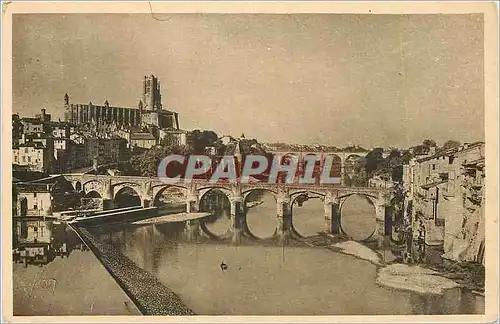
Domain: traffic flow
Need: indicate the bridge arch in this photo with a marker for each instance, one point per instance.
(248, 191)
(362, 226)
(372, 198)
(337, 164)
(260, 208)
(177, 194)
(216, 200)
(93, 185)
(127, 196)
(205, 190)
(307, 212)
(93, 194)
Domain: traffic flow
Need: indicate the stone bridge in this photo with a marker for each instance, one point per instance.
(333, 197)
(345, 160)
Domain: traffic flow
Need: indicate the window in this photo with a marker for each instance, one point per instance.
(35, 229)
(433, 167)
(35, 206)
(34, 195)
(450, 159)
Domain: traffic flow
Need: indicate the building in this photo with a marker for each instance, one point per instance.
(43, 117)
(161, 119)
(105, 150)
(34, 200)
(149, 110)
(32, 126)
(77, 155)
(34, 155)
(144, 140)
(173, 137)
(68, 155)
(444, 201)
(17, 129)
(62, 129)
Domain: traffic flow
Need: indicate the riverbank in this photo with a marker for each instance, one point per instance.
(424, 279)
(149, 294)
(469, 275)
(414, 278)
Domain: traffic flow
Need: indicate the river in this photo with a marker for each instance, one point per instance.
(261, 279)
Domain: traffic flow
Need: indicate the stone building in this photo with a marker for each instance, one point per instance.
(105, 150)
(34, 200)
(17, 129)
(43, 116)
(32, 126)
(144, 140)
(35, 155)
(173, 137)
(439, 190)
(149, 110)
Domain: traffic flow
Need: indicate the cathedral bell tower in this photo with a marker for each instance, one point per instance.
(68, 111)
(151, 95)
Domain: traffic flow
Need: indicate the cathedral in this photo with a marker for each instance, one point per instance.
(149, 111)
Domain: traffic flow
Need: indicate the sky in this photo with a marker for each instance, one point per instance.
(370, 80)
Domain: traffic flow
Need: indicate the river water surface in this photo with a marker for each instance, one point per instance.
(264, 279)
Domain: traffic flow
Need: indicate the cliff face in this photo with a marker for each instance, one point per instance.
(465, 232)
(462, 233)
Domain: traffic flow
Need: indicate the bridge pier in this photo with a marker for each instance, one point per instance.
(382, 212)
(145, 203)
(146, 195)
(192, 229)
(107, 200)
(332, 215)
(284, 218)
(192, 204)
(237, 219)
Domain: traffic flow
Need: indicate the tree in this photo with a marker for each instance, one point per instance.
(373, 159)
(420, 149)
(146, 164)
(429, 143)
(199, 140)
(449, 144)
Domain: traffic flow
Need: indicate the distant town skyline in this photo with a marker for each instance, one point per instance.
(371, 80)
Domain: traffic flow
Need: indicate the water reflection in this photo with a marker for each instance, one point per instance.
(37, 241)
(358, 217)
(217, 203)
(308, 216)
(260, 208)
(259, 280)
(267, 280)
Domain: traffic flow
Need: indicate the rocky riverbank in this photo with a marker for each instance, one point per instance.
(425, 279)
(149, 294)
(414, 278)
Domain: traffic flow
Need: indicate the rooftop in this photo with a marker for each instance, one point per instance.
(451, 151)
(37, 145)
(142, 136)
